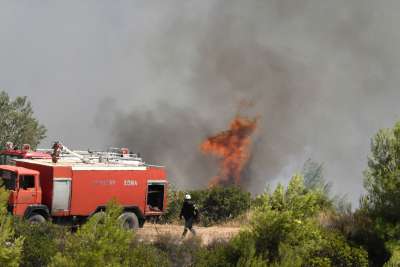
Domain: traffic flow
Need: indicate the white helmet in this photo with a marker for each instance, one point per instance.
(187, 196)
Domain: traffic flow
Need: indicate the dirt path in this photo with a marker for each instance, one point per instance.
(207, 234)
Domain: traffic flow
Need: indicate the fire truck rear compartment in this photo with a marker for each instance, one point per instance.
(155, 197)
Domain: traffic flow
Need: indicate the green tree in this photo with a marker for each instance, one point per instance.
(10, 246)
(313, 174)
(382, 182)
(17, 123)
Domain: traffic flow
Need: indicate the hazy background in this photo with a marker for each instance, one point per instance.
(159, 76)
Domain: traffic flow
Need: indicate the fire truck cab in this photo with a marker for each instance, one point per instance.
(24, 187)
(71, 190)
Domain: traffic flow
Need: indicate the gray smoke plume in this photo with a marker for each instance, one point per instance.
(317, 74)
(160, 76)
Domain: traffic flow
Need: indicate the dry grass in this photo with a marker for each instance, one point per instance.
(151, 232)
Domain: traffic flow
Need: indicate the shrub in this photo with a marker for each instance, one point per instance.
(216, 205)
(103, 242)
(286, 231)
(359, 229)
(41, 242)
(175, 200)
(10, 245)
(180, 253)
(219, 204)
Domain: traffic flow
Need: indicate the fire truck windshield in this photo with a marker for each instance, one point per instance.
(8, 159)
(8, 179)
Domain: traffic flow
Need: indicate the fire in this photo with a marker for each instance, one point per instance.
(232, 147)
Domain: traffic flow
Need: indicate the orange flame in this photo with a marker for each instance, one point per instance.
(232, 147)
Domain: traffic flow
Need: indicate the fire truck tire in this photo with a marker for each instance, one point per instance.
(129, 221)
(36, 218)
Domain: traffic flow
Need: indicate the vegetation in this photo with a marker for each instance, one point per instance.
(41, 242)
(297, 225)
(103, 242)
(216, 205)
(17, 123)
(10, 245)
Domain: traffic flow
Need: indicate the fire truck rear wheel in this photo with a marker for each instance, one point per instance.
(36, 219)
(129, 221)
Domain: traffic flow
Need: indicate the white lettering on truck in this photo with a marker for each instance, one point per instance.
(130, 183)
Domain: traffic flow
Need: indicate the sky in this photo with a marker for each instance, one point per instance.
(161, 76)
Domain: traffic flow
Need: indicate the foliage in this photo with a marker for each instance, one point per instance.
(175, 200)
(180, 252)
(10, 246)
(394, 247)
(382, 182)
(314, 177)
(41, 242)
(286, 230)
(358, 228)
(219, 204)
(240, 251)
(103, 242)
(141, 254)
(17, 123)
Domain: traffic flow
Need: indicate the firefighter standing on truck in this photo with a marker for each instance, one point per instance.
(190, 213)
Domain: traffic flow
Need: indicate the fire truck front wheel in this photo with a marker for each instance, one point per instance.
(129, 221)
(36, 218)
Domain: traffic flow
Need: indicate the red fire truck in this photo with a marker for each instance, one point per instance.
(10, 153)
(72, 189)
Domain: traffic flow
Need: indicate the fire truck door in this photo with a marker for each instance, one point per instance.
(27, 193)
(61, 194)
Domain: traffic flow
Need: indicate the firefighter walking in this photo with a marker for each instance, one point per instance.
(189, 212)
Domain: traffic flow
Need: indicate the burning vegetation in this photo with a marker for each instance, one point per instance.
(232, 147)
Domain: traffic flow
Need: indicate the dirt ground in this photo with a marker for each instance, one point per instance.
(207, 234)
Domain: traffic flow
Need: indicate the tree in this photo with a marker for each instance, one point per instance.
(314, 177)
(17, 123)
(382, 182)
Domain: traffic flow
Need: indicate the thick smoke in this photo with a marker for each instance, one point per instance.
(159, 77)
(316, 73)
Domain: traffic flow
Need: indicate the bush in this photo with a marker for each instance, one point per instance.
(394, 261)
(175, 200)
(103, 242)
(286, 231)
(219, 204)
(216, 205)
(41, 242)
(240, 251)
(359, 229)
(10, 245)
(141, 254)
(180, 253)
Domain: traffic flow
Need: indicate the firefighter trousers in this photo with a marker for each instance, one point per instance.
(189, 226)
